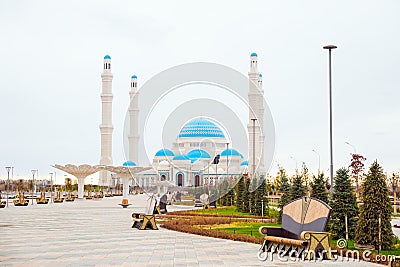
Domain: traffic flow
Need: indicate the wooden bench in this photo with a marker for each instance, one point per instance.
(147, 220)
(302, 233)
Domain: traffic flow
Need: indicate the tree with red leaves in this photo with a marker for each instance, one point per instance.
(357, 168)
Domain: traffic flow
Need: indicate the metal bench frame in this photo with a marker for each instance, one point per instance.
(304, 221)
(147, 220)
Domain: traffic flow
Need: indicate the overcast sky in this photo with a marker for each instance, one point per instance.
(52, 53)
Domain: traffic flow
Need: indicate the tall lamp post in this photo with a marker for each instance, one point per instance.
(330, 48)
(227, 165)
(319, 160)
(8, 182)
(51, 187)
(33, 182)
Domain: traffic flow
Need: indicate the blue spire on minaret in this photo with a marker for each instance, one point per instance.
(107, 57)
(253, 54)
(134, 77)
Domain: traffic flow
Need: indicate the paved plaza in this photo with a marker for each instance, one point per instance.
(99, 233)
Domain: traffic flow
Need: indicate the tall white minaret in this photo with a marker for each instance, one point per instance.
(106, 127)
(134, 121)
(256, 111)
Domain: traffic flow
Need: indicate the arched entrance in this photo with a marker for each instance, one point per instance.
(180, 179)
(197, 180)
(163, 178)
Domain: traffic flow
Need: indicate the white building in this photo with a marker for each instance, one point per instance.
(189, 161)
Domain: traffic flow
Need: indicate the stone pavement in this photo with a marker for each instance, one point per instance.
(99, 233)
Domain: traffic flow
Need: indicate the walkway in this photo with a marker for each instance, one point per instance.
(99, 233)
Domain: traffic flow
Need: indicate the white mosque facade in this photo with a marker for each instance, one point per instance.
(190, 161)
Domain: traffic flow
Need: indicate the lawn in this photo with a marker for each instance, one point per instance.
(231, 210)
(243, 228)
(223, 211)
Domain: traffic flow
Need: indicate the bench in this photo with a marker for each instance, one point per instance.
(302, 233)
(147, 220)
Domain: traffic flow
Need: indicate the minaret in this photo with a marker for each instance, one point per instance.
(256, 111)
(133, 121)
(106, 127)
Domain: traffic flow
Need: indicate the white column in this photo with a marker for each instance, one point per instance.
(256, 110)
(81, 187)
(106, 127)
(125, 183)
(133, 121)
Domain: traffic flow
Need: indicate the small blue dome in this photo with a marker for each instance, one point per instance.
(129, 163)
(134, 77)
(244, 163)
(253, 54)
(181, 157)
(201, 128)
(107, 57)
(164, 153)
(231, 153)
(260, 75)
(198, 154)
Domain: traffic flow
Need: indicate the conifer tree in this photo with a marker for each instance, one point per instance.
(343, 203)
(318, 188)
(284, 189)
(246, 203)
(260, 201)
(297, 189)
(240, 191)
(376, 203)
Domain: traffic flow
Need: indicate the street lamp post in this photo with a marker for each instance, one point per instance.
(51, 187)
(354, 148)
(33, 182)
(227, 165)
(8, 182)
(330, 47)
(319, 160)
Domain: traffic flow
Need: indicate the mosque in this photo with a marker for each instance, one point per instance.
(190, 162)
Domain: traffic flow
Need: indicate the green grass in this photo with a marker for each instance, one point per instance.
(250, 228)
(231, 210)
(223, 211)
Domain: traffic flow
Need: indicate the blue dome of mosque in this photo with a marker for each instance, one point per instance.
(244, 163)
(231, 152)
(107, 57)
(129, 163)
(253, 54)
(198, 154)
(134, 77)
(164, 153)
(181, 157)
(201, 128)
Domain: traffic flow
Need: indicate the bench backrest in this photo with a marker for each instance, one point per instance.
(151, 204)
(305, 214)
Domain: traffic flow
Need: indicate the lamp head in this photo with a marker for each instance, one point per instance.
(330, 47)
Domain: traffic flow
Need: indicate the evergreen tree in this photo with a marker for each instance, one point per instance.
(223, 193)
(260, 201)
(318, 188)
(284, 189)
(297, 189)
(240, 191)
(376, 202)
(343, 203)
(246, 203)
